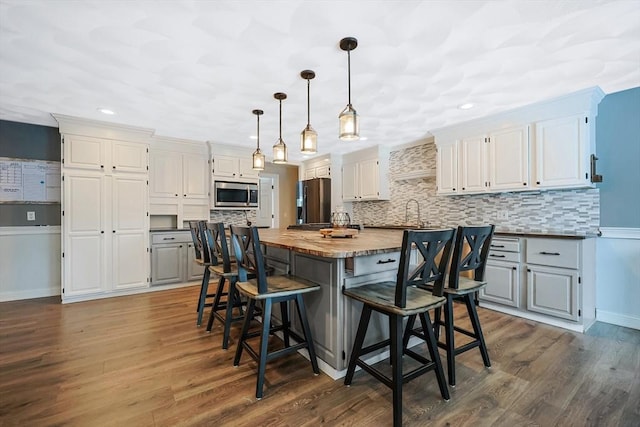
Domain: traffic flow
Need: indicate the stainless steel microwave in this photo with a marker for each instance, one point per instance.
(227, 194)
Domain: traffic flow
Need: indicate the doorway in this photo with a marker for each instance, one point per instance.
(269, 204)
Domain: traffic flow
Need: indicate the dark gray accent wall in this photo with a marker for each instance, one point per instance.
(618, 148)
(29, 141)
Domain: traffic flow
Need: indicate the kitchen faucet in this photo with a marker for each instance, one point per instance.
(406, 213)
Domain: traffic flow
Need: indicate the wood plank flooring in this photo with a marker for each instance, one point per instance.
(141, 361)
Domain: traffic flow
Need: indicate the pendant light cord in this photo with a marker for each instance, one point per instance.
(308, 104)
(258, 144)
(349, 72)
(280, 121)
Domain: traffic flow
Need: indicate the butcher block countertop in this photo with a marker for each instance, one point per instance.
(366, 242)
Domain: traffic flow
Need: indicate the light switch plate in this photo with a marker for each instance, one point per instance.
(31, 216)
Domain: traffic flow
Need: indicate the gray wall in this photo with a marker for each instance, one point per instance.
(27, 141)
(618, 147)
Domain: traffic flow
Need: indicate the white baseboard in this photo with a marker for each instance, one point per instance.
(618, 319)
(29, 294)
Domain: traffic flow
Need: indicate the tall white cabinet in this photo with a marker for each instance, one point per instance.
(105, 214)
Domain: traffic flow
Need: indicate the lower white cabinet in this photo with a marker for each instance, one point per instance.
(503, 283)
(173, 258)
(553, 291)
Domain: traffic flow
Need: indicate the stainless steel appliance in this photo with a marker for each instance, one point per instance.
(227, 194)
(313, 201)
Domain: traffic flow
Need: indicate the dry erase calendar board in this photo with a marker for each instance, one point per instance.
(25, 180)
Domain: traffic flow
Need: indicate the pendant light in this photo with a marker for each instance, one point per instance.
(280, 148)
(308, 137)
(349, 123)
(258, 156)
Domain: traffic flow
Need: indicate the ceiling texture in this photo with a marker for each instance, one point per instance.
(196, 69)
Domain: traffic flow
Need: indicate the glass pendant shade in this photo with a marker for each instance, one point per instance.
(257, 162)
(280, 148)
(349, 124)
(308, 141)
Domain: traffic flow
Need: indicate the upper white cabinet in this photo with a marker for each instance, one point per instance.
(316, 168)
(179, 178)
(562, 149)
(541, 146)
(509, 159)
(233, 167)
(90, 153)
(365, 175)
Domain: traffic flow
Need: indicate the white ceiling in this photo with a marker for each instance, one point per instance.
(196, 69)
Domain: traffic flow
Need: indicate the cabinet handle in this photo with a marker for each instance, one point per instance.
(180, 246)
(454, 189)
(497, 246)
(113, 231)
(549, 253)
(184, 195)
(528, 270)
(101, 231)
(497, 256)
(176, 195)
(168, 238)
(462, 188)
(513, 268)
(524, 183)
(538, 182)
(113, 167)
(101, 166)
(386, 262)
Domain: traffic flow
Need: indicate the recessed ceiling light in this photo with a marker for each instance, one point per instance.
(465, 106)
(253, 137)
(363, 138)
(106, 111)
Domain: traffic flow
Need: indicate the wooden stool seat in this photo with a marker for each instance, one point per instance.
(381, 296)
(466, 286)
(279, 286)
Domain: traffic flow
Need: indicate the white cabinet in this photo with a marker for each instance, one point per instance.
(322, 171)
(179, 179)
(447, 168)
(173, 258)
(90, 153)
(502, 272)
(365, 175)
(509, 159)
(562, 149)
(234, 168)
(473, 165)
(553, 291)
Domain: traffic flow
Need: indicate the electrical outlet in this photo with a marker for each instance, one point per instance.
(31, 216)
(503, 215)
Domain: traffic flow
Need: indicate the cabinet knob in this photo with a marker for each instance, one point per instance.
(113, 167)
(101, 231)
(113, 231)
(101, 166)
(176, 194)
(538, 182)
(524, 183)
(184, 195)
(454, 189)
(462, 188)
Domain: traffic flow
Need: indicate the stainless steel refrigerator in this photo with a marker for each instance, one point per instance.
(313, 201)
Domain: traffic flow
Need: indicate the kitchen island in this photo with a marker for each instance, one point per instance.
(334, 263)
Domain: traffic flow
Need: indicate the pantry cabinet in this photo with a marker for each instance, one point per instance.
(105, 214)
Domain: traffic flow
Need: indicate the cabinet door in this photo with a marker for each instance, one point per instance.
(447, 168)
(168, 263)
(310, 173)
(83, 234)
(552, 291)
(225, 166)
(323, 171)
(165, 174)
(369, 178)
(473, 164)
(509, 159)
(129, 232)
(561, 151)
(195, 174)
(128, 157)
(194, 270)
(245, 166)
(503, 283)
(350, 182)
(84, 152)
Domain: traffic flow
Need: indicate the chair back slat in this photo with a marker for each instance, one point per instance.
(434, 247)
(477, 240)
(217, 242)
(196, 236)
(249, 257)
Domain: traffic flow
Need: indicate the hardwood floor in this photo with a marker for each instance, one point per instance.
(141, 361)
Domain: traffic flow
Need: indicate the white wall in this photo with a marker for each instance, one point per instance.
(30, 262)
(618, 277)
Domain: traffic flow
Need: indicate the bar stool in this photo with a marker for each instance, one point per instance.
(469, 255)
(277, 289)
(202, 258)
(224, 267)
(400, 299)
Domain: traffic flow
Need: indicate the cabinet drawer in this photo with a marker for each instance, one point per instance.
(505, 244)
(173, 237)
(504, 256)
(375, 263)
(553, 252)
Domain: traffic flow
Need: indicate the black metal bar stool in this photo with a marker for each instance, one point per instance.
(277, 289)
(400, 299)
(469, 255)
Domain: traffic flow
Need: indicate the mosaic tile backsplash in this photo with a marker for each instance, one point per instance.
(233, 217)
(567, 211)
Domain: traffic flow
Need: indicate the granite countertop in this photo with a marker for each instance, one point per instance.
(366, 242)
(500, 232)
